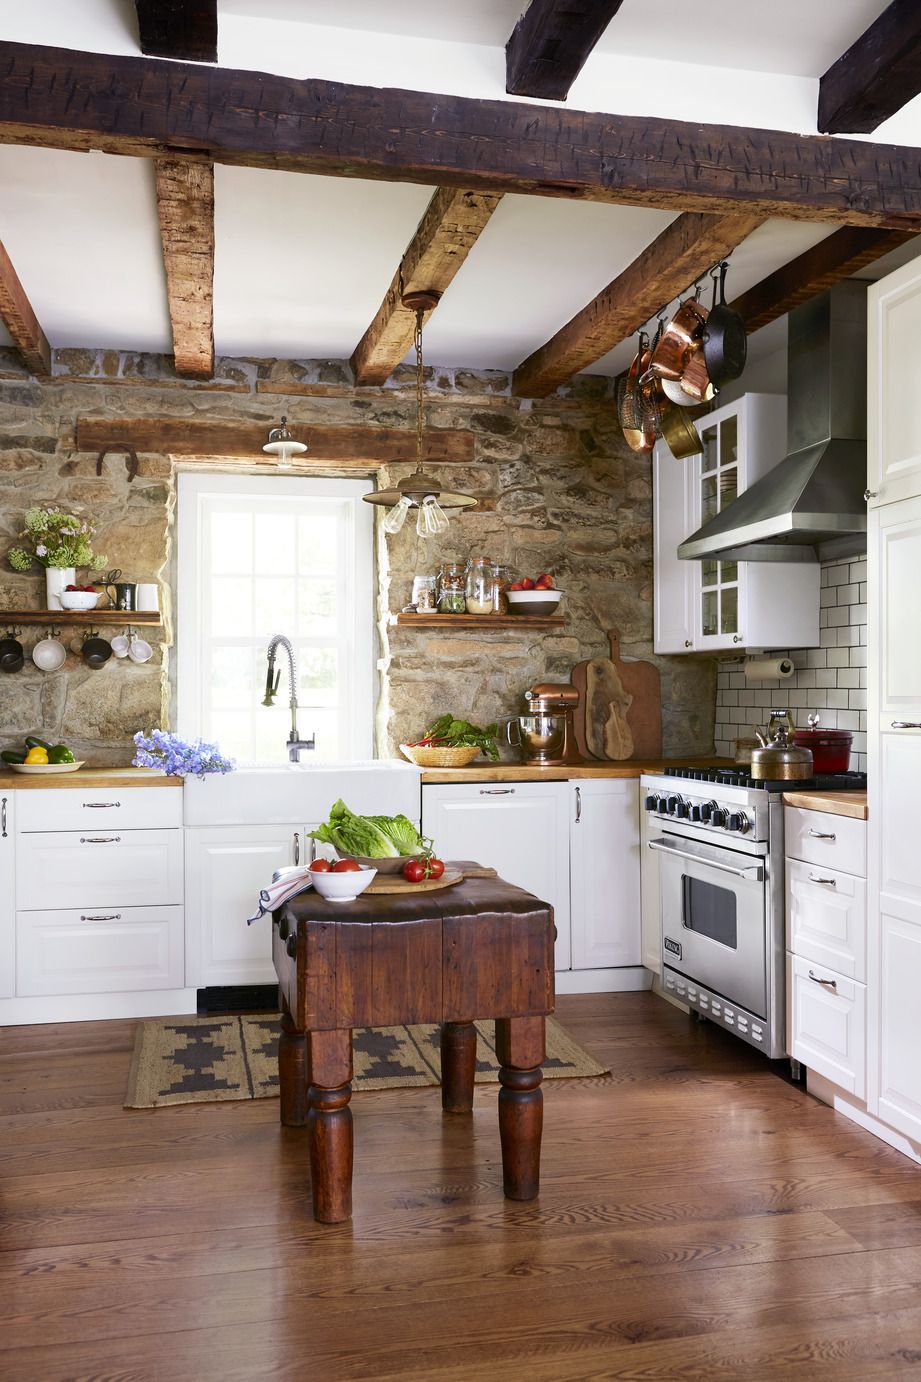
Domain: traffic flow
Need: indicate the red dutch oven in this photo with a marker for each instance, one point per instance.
(831, 748)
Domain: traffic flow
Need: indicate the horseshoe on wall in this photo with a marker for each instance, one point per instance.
(131, 458)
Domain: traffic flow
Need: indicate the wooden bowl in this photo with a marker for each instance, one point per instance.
(438, 758)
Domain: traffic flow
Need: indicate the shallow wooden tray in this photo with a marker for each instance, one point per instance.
(388, 884)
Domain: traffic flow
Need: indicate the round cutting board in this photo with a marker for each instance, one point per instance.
(388, 884)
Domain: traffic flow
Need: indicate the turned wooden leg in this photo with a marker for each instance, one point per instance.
(293, 1077)
(520, 1048)
(330, 1125)
(458, 1066)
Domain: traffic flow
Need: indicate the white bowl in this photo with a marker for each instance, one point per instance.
(343, 887)
(533, 601)
(139, 650)
(79, 599)
(48, 655)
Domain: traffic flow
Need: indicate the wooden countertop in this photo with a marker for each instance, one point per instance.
(526, 772)
(853, 804)
(88, 777)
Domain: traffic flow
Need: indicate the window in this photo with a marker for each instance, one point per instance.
(260, 555)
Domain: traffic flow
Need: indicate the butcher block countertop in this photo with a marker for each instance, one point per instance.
(526, 772)
(88, 777)
(853, 804)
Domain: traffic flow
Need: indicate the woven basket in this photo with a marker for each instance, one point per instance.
(438, 758)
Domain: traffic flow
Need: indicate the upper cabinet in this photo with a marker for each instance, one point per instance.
(893, 415)
(715, 606)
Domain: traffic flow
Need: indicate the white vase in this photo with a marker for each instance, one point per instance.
(56, 579)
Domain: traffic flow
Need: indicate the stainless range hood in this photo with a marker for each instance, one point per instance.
(809, 507)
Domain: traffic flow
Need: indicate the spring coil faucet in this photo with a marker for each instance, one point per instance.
(272, 678)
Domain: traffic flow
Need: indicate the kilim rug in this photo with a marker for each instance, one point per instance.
(204, 1059)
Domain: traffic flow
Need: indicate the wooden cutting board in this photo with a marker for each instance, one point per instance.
(622, 706)
(392, 884)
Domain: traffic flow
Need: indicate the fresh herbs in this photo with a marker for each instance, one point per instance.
(371, 837)
(448, 733)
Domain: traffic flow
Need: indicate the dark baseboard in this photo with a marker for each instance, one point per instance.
(235, 998)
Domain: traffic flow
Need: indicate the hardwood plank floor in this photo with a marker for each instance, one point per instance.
(699, 1217)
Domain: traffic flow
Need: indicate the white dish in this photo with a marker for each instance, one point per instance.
(48, 654)
(78, 599)
(46, 767)
(343, 887)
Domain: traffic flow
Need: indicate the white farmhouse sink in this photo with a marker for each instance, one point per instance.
(303, 792)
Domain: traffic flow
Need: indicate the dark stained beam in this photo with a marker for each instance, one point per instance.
(20, 320)
(185, 205)
(839, 256)
(877, 75)
(141, 106)
(183, 29)
(445, 236)
(550, 43)
(684, 251)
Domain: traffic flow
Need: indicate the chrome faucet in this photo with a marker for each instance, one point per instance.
(295, 742)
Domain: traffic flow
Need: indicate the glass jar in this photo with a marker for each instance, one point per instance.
(501, 580)
(450, 588)
(479, 585)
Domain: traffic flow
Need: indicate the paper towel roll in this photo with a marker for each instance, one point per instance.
(768, 668)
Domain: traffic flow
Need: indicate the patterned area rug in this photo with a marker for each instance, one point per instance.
(204, 1059)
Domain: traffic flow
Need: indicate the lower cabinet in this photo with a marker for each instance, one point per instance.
(225, 867)
(7, 895)
(827, 1023)
(604, 878)
(99, 951)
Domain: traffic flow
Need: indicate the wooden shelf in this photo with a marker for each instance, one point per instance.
(481, 622)
(88, 618)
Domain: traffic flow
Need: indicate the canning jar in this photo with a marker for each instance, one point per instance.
(450, 588)
(501, 580)
(479, 585)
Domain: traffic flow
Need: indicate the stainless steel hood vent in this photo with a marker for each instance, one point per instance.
(809, 507)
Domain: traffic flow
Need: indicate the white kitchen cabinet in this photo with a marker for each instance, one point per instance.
(893, 416)
(7, 894)
(123, 868)
(650, 896)
(718, 606)
(99, 950)
(519, 828)
(826, 1023)
(604, 873)
(226, 865)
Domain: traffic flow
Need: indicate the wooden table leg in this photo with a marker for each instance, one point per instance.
(293, 1076)
(330, 1125)
(458, 1066)
(521, 1049)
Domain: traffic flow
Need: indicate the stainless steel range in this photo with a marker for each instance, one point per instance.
(721, 882)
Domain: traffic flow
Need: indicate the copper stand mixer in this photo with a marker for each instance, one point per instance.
(544, 734)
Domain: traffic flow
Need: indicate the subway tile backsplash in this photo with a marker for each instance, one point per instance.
(830, 681)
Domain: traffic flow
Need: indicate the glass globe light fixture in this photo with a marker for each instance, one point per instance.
(283, 445)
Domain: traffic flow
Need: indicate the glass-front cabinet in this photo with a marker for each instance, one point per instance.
(713, 605)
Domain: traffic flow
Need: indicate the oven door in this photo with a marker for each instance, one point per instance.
(714, 919)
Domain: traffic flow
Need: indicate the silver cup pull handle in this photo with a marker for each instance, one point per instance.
(497, 791)
(816, 878)
(826, 983)
(823, 835)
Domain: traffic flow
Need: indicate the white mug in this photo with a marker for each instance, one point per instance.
(120, 645)
(148, 597)
(139, 650)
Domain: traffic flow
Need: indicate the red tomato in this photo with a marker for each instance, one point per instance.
(320, 866)
(414, 871)
(545, 578)
(527, 583)
(516, 585)
(434, 868)
(346, 866)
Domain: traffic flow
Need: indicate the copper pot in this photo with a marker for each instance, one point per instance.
(679, 337)
(675, 425)
(638, 426)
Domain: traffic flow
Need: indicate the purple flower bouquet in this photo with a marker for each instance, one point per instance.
(179, 757)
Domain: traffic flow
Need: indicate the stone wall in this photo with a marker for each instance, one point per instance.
(559, 491)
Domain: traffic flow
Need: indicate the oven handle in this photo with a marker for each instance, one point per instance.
(753, 871)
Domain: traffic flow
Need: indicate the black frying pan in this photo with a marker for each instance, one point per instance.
(724, 340)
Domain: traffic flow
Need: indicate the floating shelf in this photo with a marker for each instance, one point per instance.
(483, 622)
(89, 618)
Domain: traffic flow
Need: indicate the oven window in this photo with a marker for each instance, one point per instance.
(710, 911)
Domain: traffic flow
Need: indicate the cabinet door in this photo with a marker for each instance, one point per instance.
(604, 873)
(675, 510)
(826, 1023)
(7, 896)
(225, 868)
(721, 590)
(650, 905)
(521, 829)
(893, 411)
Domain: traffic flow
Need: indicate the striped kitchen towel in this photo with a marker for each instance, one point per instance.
(287, 883)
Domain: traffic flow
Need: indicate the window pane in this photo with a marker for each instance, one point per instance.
(729, 610)
(318, 545)
(232, 729)
(710, 602)
(274, 605)
(231, 612)
(729, 485)
(232, 543)
(729, 440)
(275, 544)
(729, 571)
(708, 437)
(709, 497)
(318, 672)
(232, 680)
(708, 570)
(317, 605)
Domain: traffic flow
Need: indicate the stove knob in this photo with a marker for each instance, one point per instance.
(681, 810)
(671, 805)
(706, 811)
(718, 817)
(734, 820)
(696, 810)
(652, 803)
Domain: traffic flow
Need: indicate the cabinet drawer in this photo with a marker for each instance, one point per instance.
(103, 868)
(826, 1026)
(827, 917)
(100, 808)
(99, 951)
(818, 837)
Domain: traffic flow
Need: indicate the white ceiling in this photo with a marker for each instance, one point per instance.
(303, 262)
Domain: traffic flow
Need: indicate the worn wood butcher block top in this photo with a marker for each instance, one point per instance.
(853, 804)
(527, 772)
(88, 777)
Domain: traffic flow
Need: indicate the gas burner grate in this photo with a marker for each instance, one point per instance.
(736, 777)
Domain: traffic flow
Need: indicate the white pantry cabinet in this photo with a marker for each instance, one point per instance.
(604, 864)
(726, 606)
(893, 416)
(7, 894)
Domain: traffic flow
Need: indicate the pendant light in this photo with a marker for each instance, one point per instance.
(419, 490)
(283, 445)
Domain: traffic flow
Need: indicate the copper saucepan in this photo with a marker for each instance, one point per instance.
(673, 349)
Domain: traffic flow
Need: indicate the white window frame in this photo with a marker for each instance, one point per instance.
(192, 491)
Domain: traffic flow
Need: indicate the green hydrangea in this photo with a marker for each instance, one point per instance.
(57, 539)
(19, 560)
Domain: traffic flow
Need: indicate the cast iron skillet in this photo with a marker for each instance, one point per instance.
(724, 340)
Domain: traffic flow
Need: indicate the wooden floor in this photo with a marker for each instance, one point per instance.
(699, 1217)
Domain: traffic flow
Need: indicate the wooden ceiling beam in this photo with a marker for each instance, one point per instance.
(686, 249)
(445, 236)
(877, 75)
(550, 43)
(183, 29)
(185, 205)
(20, 320)
(141, 106)
(839, 256)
